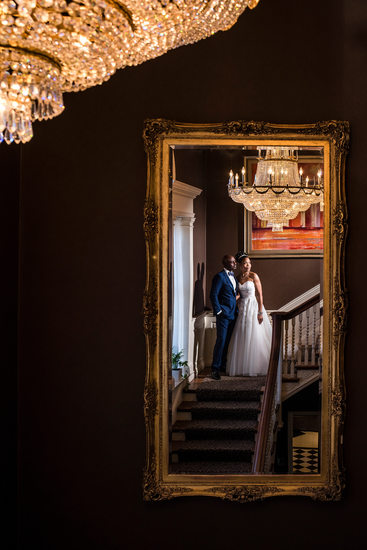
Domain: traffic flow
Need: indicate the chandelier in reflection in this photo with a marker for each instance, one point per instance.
(48, 47)
(279, 191)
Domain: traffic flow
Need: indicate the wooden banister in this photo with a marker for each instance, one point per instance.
(297, 310)
(266, 409)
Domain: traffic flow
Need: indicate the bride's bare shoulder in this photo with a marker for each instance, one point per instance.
(254, 276)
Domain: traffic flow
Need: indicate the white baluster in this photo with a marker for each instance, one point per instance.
(285, 363)
(283, 348)
(317, 347)
(307, 337)
(293, 344)
(320, 343)
(313, 356)
(299, 352)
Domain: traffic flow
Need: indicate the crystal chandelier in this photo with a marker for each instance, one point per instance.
(279, 191)
(48, 47)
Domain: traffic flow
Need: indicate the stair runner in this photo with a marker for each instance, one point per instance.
(216, 426)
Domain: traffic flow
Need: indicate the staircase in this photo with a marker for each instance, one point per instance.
(216, 426)
(302, 342)
(295, 362)
(304, 377)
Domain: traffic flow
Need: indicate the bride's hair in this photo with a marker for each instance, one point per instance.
(241, 256)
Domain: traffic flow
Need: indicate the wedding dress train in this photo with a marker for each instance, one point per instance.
(249, 348)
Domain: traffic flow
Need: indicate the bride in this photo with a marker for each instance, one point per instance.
(249, 348)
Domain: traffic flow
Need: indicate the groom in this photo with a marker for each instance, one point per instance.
(223, 297)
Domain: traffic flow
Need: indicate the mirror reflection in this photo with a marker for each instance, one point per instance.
(245, 308)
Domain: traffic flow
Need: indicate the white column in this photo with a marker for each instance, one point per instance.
(183, 332)
(179, 337)
(183, 270)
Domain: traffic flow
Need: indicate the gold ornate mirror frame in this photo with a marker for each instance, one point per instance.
(159, 484)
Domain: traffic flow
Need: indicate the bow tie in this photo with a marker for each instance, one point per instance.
(231, 273)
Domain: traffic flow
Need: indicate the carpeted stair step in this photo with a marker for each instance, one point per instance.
(246, 410)
(202, 468)
(217, 429)
(212, 450)
(231, 389)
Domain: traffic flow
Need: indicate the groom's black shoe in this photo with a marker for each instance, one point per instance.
(215, 375)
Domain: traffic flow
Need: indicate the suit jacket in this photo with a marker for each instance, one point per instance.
(223, 295)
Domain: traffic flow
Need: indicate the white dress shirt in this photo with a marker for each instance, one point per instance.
(233, 281)
(231, 278)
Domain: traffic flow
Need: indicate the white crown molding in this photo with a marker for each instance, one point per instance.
(185, 190)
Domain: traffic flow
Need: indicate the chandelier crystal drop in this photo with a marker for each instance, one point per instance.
(279, 191)
(48, 47)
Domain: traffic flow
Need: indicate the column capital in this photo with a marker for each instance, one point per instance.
(183, 219)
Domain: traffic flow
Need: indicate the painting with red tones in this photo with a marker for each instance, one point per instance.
(304, 234)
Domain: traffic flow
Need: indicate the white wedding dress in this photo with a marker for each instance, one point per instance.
(249, 348)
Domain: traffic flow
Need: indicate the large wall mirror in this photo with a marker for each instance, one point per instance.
(244, 309)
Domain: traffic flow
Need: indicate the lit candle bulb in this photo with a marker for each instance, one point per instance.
(307, 179)
(243, 172)
(301, 173)
(270, 172)
(319, 173)
(230, 178)
(236, 177)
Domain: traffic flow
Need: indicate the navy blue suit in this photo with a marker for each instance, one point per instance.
(223, 298)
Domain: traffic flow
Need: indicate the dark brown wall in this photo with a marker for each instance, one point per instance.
(190, 169)
(199, 252)
(9, 246)
(285, 279)
(81, 345)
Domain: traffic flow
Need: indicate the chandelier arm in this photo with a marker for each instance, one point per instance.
(278, 192)
(247, 192)
(297, 190)
(265, 190)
